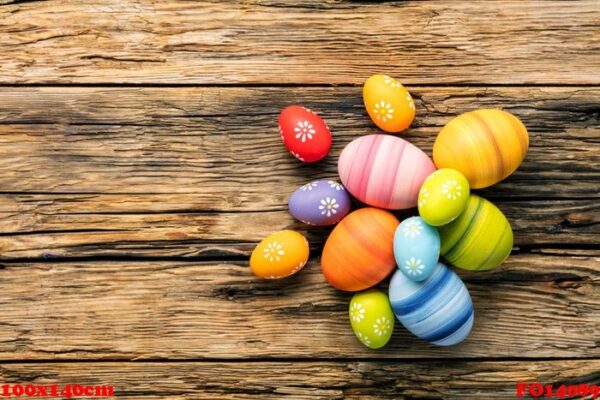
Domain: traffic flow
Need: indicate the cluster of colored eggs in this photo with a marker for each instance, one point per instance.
(474, 150)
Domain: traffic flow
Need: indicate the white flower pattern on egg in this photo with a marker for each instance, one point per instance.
(304, 131)
(274, 251)
(335, 185)
(364, 339)
(328, 206)
(297, 156)
(423, 196)
(412, 228)
(381, 326)
(391, 81)
(309, 110)
(308, 186)
(414, 266)
(357, 312)
(410, 100)
(383, 111)
(451, 189)
(298, 268)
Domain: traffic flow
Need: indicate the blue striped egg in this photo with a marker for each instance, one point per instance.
(438, 310)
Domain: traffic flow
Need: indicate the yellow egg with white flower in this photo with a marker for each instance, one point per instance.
(443, 196)
(279, 255)
(371, 318)
(389, 104)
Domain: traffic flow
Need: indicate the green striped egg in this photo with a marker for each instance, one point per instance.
(480, 238)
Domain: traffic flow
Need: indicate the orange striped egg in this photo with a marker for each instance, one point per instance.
(359, 252)
(484, 145)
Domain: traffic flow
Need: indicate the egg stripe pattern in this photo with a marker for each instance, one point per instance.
(485, 145)
(479, 239)
(441, 297)
(438, 310)
(500, 164)
(472, 212)
(359, 251)
(365, 238)
(384, 171)
(503, 162)
(366, 154)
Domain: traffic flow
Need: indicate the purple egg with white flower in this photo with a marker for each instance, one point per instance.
(320, 203)
(416, 248)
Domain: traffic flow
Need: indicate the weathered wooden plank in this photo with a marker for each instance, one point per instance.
(309, 380)
(533, 306)
(327, 42)
(221, 144)
(61, 226)
(201, 171)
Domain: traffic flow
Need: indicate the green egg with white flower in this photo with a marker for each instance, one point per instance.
(443, 196)
(372, 318)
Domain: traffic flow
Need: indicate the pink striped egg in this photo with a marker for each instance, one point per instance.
(384, 171)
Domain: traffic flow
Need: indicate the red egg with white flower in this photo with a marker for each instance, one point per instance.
(304, 133)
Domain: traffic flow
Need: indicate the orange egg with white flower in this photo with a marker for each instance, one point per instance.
(389, 104)
(279, 255)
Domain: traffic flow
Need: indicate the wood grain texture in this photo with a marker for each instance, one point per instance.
(191, 140)
(535, 305)
(127, 213)
(59, 226)
(190, 172)
(322, 42)
(362, 380)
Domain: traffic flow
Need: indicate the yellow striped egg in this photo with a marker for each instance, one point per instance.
(484, 145)
(480, 238)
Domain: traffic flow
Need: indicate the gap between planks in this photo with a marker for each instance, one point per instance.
(339, 42)
(151, 85)
(558, 250)
(295, 360)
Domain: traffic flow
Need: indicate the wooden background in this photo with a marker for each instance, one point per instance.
(140, 163)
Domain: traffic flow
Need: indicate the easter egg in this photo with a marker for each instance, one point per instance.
(389, 104)
(438, 309)
(485, 145)
(280, 255)
(416, 248)
(479, 239)
(384, 171)
(443, 196)
(320, 203)
(359, 252)
(304, 134)
(371, 318)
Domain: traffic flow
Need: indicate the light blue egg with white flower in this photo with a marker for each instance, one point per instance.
(416, 248)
